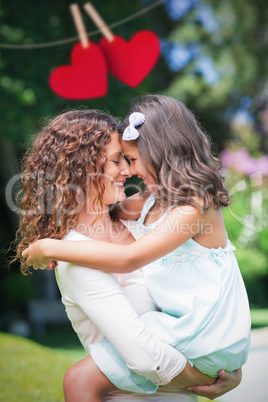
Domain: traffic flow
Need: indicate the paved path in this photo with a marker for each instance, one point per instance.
(254, 385)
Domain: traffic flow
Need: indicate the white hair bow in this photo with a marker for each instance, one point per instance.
(135, 120)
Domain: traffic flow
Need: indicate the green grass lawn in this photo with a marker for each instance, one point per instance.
(32, 372)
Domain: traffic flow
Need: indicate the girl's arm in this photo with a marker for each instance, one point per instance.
(180, 225)
(131, 208)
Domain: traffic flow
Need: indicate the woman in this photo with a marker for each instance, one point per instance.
(74, 171)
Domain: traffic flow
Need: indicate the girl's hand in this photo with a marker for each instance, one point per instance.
(36, 256)
(224, 383)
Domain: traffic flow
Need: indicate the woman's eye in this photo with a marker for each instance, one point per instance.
(132, 159)
(116, 162)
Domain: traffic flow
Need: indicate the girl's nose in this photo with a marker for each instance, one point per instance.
(132, 170)
(125, 170)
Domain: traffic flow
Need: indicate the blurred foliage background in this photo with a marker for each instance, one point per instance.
(213, 58)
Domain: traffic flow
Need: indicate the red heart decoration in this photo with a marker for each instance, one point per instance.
(132, 61)
(85, 78)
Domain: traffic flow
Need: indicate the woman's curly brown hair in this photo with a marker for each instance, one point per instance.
(56, 171)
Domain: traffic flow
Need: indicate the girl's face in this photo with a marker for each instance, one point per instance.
(116, 171)
(131, 151)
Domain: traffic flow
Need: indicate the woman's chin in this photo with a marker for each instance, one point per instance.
(122, 197)
(119, 197)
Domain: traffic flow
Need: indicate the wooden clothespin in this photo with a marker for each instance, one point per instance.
(80, 25)
(99, 21)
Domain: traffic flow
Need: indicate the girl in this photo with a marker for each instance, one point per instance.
(195, 279)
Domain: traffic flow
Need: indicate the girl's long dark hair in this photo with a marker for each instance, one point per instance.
(172, 142)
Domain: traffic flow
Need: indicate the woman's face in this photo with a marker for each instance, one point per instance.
(131, 151)
(116, 171)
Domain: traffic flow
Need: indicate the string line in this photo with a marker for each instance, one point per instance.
(90, 34)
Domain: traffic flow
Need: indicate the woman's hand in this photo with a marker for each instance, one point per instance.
(36, 255)
(224, 383)
(190, 376)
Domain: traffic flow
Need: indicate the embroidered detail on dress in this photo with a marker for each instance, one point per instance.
(197, 253)
(179, 258)
(189, 256)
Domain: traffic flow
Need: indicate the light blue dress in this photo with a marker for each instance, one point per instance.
(204, 310)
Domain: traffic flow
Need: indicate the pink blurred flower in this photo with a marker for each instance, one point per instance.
(241, 161)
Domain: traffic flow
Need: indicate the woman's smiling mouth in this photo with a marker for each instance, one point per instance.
(119, 183)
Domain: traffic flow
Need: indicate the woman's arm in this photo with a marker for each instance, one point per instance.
(104, 302)
(181, 224)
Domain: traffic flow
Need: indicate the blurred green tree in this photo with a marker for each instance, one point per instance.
(27, 100)
(226, 44)
(213, 59)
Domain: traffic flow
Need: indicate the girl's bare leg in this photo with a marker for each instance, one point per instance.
(84, 382)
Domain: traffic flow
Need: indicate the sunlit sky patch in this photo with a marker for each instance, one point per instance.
(178, 55)
(205, 66)
(204, 13)
(206, 16)
(242, 115)
(178, 8)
